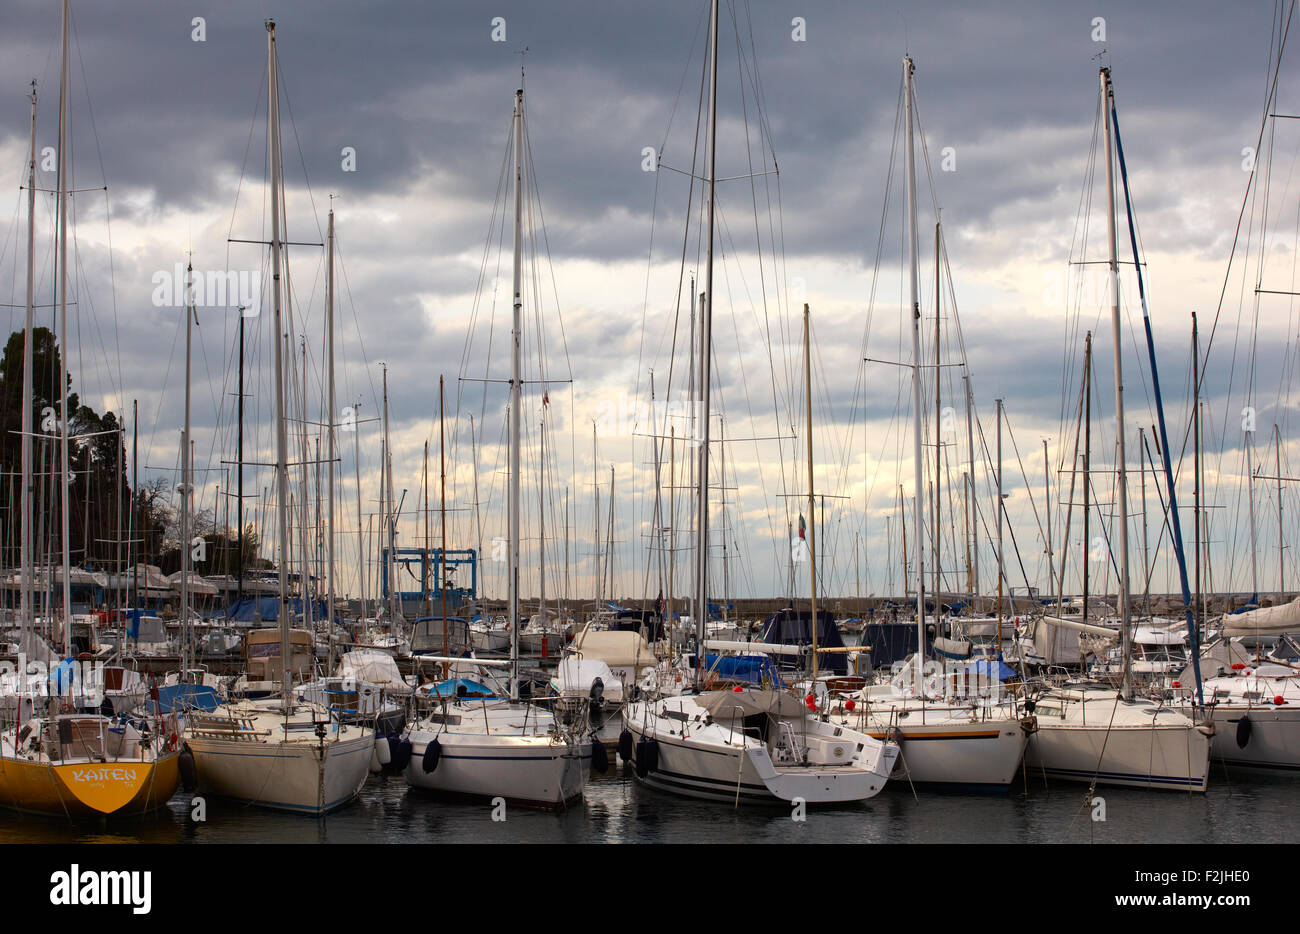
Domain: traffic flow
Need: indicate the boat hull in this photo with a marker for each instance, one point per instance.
(303, 778)
(1273, 741)
(529, 771)
(89, 789)
(1170, 758)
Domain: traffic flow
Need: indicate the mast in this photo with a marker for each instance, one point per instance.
(1281, 554)
(1047, 508)
(1087, 464)
(935, 535)
(281, 437)
(304, 548)
(388, 519)
(1117, 336)
(361, 536)
(135, 487)
(973, 561)
(1001, 515)
(705, 361)
(812, 522)
(478, 516)
(329, 431)
(1250, 500)
(62, 196)
(918, 505)
(1199, 613)
(541, 524)
(239, 465)
(190, 312)
(442, 499)
(25, 547)
(516, 393)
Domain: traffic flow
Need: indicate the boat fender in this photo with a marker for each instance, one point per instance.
(375, 767)
(599, 755)
(383, 751)
(625, 745)
(189, 770)
(598, 692)
(401, 750)
(432, 753)
(1243, 732)
(896, 736)
(642, 758)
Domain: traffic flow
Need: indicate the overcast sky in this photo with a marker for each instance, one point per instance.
(402, 111)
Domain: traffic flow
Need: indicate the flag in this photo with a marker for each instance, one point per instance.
(659, 603)
(546, 398)
(802, 527)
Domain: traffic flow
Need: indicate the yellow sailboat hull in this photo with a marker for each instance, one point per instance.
(89, 789)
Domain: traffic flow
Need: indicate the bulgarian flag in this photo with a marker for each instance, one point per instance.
(802, 527)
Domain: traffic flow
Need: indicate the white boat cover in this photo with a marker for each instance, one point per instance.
(615, 649)
(1269, 620)
(576, 676)
(376, 667)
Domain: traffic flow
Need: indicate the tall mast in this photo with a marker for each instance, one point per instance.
(1001, 514)
(185, 485)
(915, 304)
(705, 361)
(516, 392)
(65, 507)
(1198, 612)
(361, 535)
(239, 466)
(938, 421)
(25, 611)
(1281, 554)
(541, 524)
(1117, 337)
(304, 548)
(1047, 508)
(281, 438)
(478, 516)
(329, 430)
(812, 523)
(1087, 464)
(441, 571)
(389, 519)
(1250, 499)
(973, 562)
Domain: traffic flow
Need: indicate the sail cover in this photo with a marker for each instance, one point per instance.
(1269, 620)
(726, 705)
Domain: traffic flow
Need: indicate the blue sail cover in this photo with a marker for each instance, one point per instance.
(794, 627)
(758, 670)
(265, 609)
(188, 697)
(453, 688)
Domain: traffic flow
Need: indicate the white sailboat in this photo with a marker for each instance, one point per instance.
(1095, 734)
(743, 745)
(945, 741)
(280, 753)
(503, 747)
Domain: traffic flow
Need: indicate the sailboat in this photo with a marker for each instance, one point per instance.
(469, 740)
(760, 746)
(947, 740)
(1093, 733)
(51, 761)
(283, 753)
